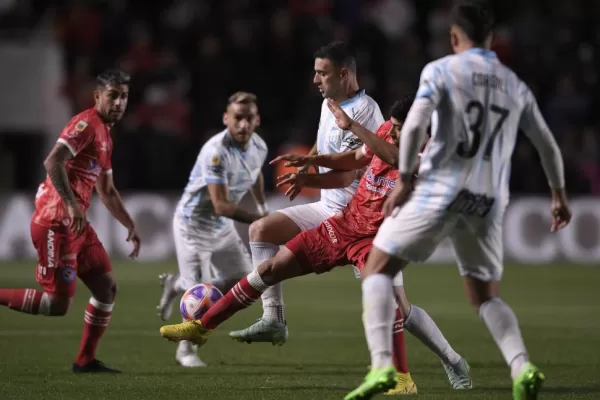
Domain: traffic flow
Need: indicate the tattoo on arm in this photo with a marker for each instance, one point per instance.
(55, 167)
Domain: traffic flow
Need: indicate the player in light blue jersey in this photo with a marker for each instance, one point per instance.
(208, 247)
(479, 105)
(335, 76)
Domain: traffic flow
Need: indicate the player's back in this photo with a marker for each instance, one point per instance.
(220, 161)
(474, 130)
(331, 139)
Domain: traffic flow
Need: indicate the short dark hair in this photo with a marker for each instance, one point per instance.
(112, 77)
(242, 98)
(401, 107)
(475, 17)
(339, 53)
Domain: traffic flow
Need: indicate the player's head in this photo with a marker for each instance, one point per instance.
(241, 116)
(472, 24)
(398, 114)
(335, 69)
(111, 94)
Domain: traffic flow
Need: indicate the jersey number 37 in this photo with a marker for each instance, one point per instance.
(479, 114)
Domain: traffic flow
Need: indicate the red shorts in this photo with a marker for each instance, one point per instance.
(62, 257)
(333, 243)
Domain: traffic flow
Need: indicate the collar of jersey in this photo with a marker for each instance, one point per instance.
(351, 100)
(483, 52)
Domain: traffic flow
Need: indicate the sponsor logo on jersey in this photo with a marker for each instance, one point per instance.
(332, 237)
(352, 142)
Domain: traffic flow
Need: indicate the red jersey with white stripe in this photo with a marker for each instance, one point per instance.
(88, 138)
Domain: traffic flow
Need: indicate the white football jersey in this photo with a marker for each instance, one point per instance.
(480, 104)
(222, 162)
(331, 139)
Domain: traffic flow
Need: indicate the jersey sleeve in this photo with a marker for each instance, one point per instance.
(381, 133)
(76, 136)
(534, 126)
(368, 115)
(215, 164)
(431, 83)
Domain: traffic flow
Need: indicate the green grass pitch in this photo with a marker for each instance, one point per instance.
(326, 355)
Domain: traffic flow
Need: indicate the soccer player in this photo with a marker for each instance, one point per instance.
(462, 193)
(336, 77)
(339, 240)
(66, 244)
(208, 247)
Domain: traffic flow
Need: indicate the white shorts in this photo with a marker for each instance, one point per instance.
(309, 216)
(414, 236)
(202, 260)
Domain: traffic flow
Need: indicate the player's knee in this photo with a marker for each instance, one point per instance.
(259, 230)
(60, 305)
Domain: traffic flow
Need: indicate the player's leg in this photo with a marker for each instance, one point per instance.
(480, 261)
(95, 271)
(249, 289)
(188, 262)
(266, 235)
(56, 279)
(311, 251)
(418, 322)
(408, 235)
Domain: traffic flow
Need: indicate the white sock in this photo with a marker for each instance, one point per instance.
(272, 298)
(504, 327)
(379, 311)
(423, 327)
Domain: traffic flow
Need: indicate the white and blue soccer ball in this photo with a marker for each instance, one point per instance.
(196, 301)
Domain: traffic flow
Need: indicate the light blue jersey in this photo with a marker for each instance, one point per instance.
(222, 162)
(480, 104)
(331, 139)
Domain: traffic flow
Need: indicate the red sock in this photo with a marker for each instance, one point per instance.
(25, 300)
(96, 319)
(241, 296)
(399, 347)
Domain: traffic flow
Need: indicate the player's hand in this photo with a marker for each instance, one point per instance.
(133, 237)
(305, 169)
(293, 160)
(399, 196)
(561, 212)
(342, 120)
(78, 219)
(296, 182)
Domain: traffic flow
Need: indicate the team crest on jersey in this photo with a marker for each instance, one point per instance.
(68, 273)
(81, 125)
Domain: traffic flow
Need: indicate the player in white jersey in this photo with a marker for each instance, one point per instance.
(208, 247)
(335, 76)
(462, 193)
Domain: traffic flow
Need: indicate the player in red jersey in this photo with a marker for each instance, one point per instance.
(66, 244)
(343, 239)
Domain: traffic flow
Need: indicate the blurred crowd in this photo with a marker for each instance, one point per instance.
(188, 56)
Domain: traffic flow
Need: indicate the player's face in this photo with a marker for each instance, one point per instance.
(241, 121)
(327, 77)
(111, 101)
(396, 129)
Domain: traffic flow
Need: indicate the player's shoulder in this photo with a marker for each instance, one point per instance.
(259, 143)
(439, 66)
(85, 120)
(384, 129)
(365, 101)
(217, 144)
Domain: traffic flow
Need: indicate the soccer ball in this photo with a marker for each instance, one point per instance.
(196, 301)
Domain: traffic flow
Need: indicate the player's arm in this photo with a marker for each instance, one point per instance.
(216, 166)
(56, 167)
(328, 180)
(346, 161)
(110, 197)
(414, 130)
(387, 152)
(258, 193)
(219, 195)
